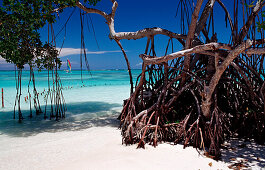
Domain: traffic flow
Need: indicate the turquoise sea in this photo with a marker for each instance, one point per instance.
(98, 94)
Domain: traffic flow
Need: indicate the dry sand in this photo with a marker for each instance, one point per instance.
(100, 147)
(95, 148)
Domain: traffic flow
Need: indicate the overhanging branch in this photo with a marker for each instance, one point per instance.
(197, 49)
(147, 32)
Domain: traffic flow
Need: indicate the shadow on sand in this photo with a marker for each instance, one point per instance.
(243, 153)
(78, 116)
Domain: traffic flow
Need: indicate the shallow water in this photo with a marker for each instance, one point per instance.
(98, 94)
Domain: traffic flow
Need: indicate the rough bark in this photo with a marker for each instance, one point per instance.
(183, 53)
(204, 16)
(191, 33)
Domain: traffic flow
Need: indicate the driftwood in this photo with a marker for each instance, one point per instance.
(200, 95)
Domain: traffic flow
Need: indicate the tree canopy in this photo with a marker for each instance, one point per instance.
(20, 21)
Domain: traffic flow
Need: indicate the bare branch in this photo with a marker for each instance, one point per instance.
(92, 10)
(257, 51)
(204, 16)
(245, 28)
(249, 51)
(190, 35)
(193, 23)
(197, 49)
(114, 8)
(147, 32)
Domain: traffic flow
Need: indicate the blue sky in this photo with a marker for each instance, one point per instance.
(130, 16)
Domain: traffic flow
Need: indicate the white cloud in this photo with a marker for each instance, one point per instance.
(1, 59)
(73, 51)
(139, 64)
(4, 65)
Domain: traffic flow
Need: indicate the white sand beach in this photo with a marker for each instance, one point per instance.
(95, 148)
(100, 147)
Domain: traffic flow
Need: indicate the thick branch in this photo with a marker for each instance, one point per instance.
(249, 52)
(204, 16)
(191, 32)
(114, 8)
(92, 10)
(257, 51)
(147, 32)
(197, 49)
